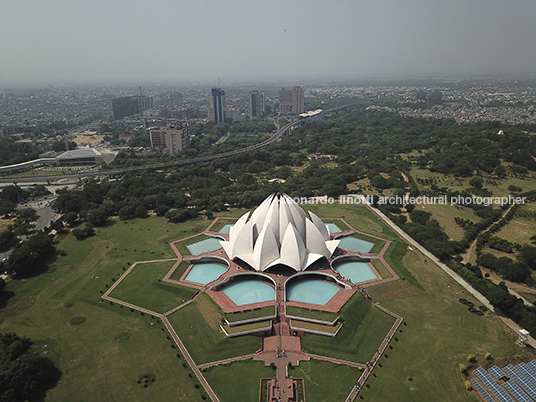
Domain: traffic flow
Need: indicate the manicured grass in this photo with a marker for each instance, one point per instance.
(267, 311)
(181, 246)
(382, 270)
(308, 313)
(221, 223)
(142, 287)
(310, 326)
(362, 333)
(198, 325)
(439, 335)
(359, 216)
(340, 224)
(238, 381)
(101, 358)
(394, 255)
(325, 381)
(248, 327)
(179, 271)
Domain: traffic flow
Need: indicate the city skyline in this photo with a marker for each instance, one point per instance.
(95, 42)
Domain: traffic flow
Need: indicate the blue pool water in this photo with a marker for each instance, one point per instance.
(225, 229)
(205, 272)
(356, 271)
(249, 291)
(204, 246)
(353, 244)
(332, 228)
(314, 291)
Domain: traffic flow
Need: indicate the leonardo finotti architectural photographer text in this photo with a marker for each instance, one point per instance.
(420, 200)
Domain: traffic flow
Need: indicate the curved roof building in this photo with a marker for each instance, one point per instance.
(279, 232)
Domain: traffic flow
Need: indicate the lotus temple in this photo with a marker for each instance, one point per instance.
(280, 273)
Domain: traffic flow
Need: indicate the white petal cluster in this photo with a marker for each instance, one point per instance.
(279, 232)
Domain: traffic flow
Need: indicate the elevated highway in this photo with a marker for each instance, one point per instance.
(207, 158)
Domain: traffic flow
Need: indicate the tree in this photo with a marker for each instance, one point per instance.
(29, 257)
(462, 368)
(476, 182)
(25, 376)
(471, 358)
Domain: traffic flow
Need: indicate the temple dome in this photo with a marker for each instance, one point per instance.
(279, 232)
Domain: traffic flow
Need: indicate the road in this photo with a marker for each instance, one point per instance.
(100, 172)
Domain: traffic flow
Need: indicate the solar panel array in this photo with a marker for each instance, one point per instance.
(527, 372)
(532, 365)
(484, 393)
(492, 385)
(525, 384)
(516, 392)
(496, 372)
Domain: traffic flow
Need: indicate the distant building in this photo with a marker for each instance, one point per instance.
(285, 101)
(218, 105)
(291, 100)
(131, 105)
(172, 138)
(8, 132)
(298, 100)
(79, 157)
(256, 105)
(176, 99)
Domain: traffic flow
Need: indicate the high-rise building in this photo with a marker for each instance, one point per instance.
(176, 98)
(256, 105)
(218, 105)
(285, 101)
(298, 100)
(172, 138)
(131, 105)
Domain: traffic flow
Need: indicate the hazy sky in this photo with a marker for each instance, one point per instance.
(54, 41)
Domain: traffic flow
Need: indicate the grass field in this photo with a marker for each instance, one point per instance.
(142, 287)
(319, 380)
(238, 381)
(362, 333)
(440, 334)
(102, 358)
(198, 327)
(518, 230)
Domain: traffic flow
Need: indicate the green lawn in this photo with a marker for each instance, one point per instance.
(238, 381)
(363, 331)
(142, 287)
(325, 381)
(267, 311)
(439, 333)
(198, 327)
(313, 314)
(102, 358)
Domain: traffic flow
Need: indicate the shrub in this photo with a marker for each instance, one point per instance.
(487, 356)
(462, 368)
(471, 358)
(77, 320)
(468, 386)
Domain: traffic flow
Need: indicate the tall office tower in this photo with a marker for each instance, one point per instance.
(172, 138)
(131, 105)
(218, 105)
(256, 105)
(285, 101)
(176, 98)
(298, 100)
